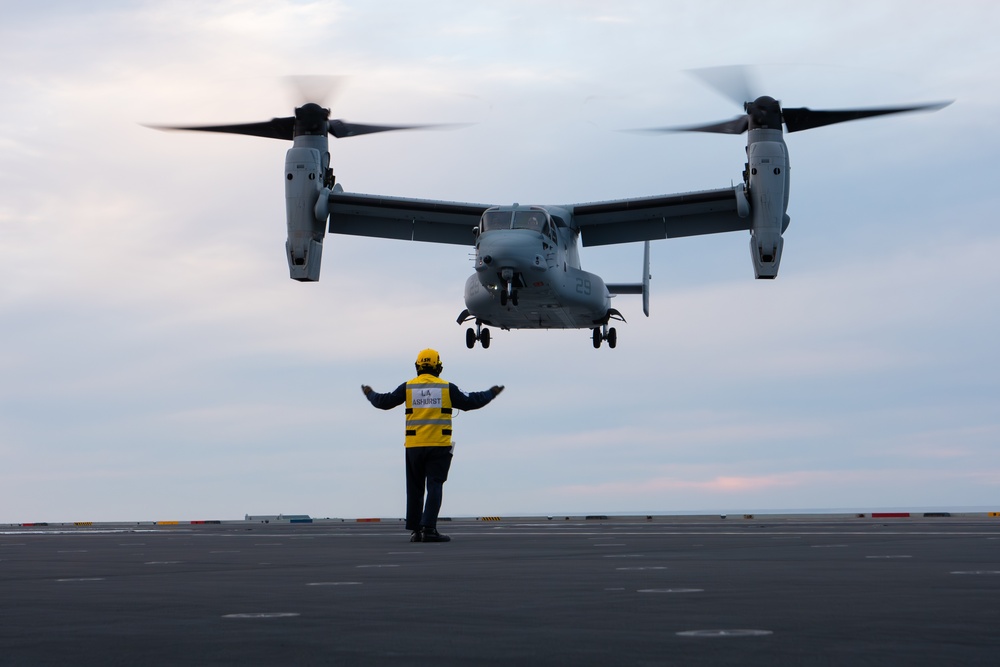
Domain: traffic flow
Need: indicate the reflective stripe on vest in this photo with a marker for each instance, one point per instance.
(428, 412)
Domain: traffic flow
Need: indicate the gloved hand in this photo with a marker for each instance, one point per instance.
(365, 389)
(496, 389)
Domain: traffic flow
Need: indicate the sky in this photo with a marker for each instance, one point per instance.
(158, 363)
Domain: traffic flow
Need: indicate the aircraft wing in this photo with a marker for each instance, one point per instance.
(405, 219)
(663, 217)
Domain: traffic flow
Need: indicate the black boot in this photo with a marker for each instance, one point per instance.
(431, 535)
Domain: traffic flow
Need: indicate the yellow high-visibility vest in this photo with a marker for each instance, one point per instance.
(428, 412)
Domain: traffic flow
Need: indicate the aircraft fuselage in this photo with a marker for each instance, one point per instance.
(528, 273)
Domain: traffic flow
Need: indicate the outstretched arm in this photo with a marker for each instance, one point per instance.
(473, 400)
(385, 401)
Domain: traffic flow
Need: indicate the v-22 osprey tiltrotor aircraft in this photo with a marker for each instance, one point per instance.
(527, 259)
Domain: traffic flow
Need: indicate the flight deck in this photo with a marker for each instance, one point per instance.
(802, 590)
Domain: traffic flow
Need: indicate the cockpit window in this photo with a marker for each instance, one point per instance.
(493, 220)
(533, 220)
(536, 220)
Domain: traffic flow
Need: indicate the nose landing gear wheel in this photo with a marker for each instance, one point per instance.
(505, 299)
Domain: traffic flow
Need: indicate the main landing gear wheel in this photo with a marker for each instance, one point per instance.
(605, 334)
(471, 336)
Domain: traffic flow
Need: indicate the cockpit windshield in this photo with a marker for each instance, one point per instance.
(535, 219)
(493, 220)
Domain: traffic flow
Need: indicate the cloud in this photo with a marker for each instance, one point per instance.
(149, 320)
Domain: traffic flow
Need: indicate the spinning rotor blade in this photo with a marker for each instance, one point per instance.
(766, 112)
(311, 118)
(276, 128)
(737, 125)
(803, 118)
(284, 128)
(342, 129)
(320, 89)
(735, 82)
(731, 81)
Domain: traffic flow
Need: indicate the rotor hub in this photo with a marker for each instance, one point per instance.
(764, 113)
(311, 119)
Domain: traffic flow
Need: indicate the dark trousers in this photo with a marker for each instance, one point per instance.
(426, 467)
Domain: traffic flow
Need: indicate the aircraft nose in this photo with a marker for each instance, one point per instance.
(509, 249)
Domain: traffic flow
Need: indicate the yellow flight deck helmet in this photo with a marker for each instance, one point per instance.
(429, 358)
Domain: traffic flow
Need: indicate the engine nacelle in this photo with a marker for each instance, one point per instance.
(306, 212)
(767, 183)
(766, 254)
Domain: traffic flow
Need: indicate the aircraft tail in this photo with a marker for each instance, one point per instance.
(636, 288)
